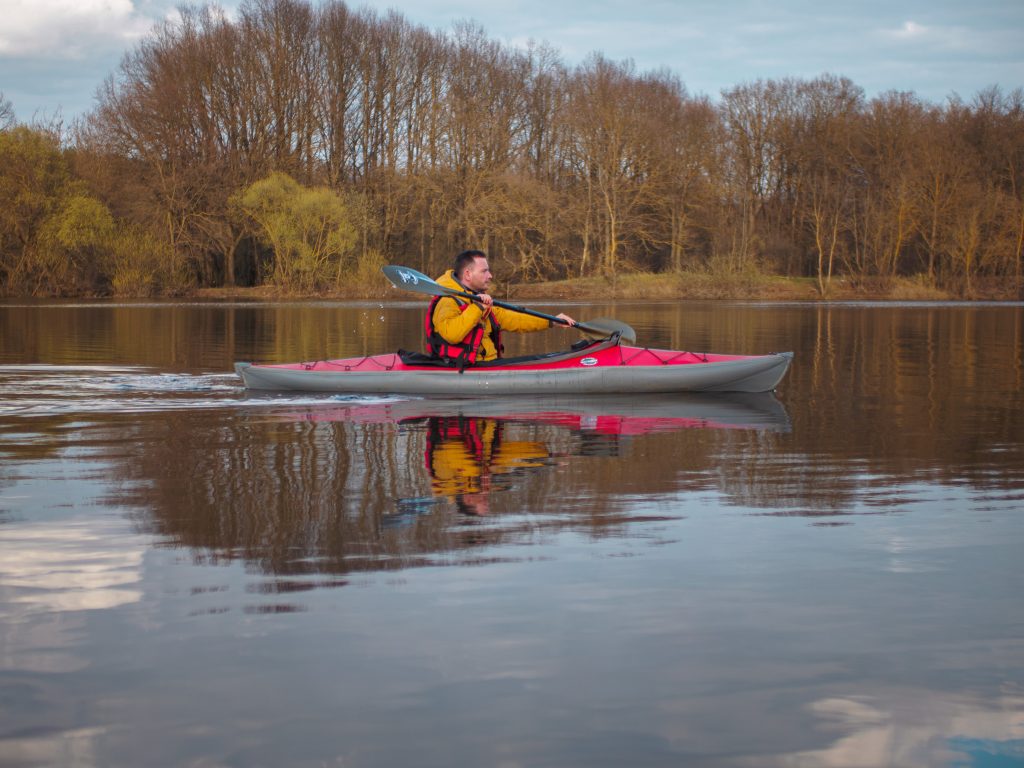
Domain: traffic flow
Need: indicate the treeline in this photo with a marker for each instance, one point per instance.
(303, 145)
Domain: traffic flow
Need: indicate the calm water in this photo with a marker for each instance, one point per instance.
(193, 576)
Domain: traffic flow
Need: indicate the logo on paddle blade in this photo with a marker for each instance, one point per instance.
(408, 277)
(588, 361)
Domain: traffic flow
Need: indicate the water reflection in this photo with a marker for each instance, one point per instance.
(368, 484)
(468, 458)
(51, 575)
(670, 581)
(82, 565)
(913, 727)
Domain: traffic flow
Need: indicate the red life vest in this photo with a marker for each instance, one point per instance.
(466, 351)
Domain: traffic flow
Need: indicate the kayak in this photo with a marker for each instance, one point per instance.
(599, 367)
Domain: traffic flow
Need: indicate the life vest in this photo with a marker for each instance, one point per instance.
(465, 352)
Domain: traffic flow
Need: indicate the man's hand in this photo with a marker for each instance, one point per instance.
(486, 302)
(566, 319)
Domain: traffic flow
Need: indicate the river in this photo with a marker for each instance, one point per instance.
(193, 575)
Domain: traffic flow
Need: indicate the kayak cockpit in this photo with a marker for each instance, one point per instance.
(580, 348)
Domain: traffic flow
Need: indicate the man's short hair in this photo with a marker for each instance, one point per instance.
(464, 259)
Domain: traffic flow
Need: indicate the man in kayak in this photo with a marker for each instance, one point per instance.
(468, 332)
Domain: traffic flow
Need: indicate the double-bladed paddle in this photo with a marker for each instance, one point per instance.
(411, 280)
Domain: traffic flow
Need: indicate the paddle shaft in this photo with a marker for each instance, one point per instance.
(411, 280)
(512, 307)
(437, 289)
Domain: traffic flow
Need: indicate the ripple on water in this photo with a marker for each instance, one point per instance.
(49, 390)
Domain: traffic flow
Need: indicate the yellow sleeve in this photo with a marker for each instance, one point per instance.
(452, 323)
(518, 322)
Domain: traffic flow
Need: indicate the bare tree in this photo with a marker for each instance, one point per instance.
(753, 115)
(829, 107)
(6, 113)
(615, 137)
(886, 155)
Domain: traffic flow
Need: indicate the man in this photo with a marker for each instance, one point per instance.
(468, 332)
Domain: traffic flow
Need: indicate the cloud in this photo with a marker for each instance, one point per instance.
(69, 29)
(981, 42)
(910, 30)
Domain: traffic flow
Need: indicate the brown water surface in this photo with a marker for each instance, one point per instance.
(194, 575)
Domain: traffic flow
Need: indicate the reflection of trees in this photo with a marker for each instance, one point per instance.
(906, 386)
(295, 497)
(45, 441)
(897, 395)
(303, 497)
(210, 337)
(877, 396)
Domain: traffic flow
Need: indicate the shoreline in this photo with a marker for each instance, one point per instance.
(648, 287)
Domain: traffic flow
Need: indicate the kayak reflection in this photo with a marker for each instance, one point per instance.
(299, 488)
(600, 414)
(470, 452)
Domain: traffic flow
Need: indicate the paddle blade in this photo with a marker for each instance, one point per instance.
(604, 327)
(410, 280)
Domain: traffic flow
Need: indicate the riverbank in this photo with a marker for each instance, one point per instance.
(668, 287)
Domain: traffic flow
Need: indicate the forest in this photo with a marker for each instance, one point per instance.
(300, 146)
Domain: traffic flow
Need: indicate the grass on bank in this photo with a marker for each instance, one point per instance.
(645, 286)
(753, 286)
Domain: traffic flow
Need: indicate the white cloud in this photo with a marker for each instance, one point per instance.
(910, 30)
(957, 39)
(69, 29)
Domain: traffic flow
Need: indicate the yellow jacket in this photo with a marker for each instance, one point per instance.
(454, 324)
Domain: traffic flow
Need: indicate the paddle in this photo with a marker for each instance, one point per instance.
(411, 280)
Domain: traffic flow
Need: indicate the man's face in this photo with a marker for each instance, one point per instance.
(477, 275)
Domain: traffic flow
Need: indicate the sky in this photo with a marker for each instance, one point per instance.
(54, 54)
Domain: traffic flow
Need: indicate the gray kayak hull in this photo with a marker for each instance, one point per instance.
(760, 373)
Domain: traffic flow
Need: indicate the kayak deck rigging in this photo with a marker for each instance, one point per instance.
(405, 360)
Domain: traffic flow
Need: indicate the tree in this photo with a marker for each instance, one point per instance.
(614, 135)
(73, 244)
(993, 129)
(309, 231)
(829, 107)
(6, 113)
(885, 157)
(33, 178)
(758, 122)
(939, 186)
(688, 148)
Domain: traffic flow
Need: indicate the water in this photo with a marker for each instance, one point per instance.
(192, 575)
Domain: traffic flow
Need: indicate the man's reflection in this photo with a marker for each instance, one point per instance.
(467, 456)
